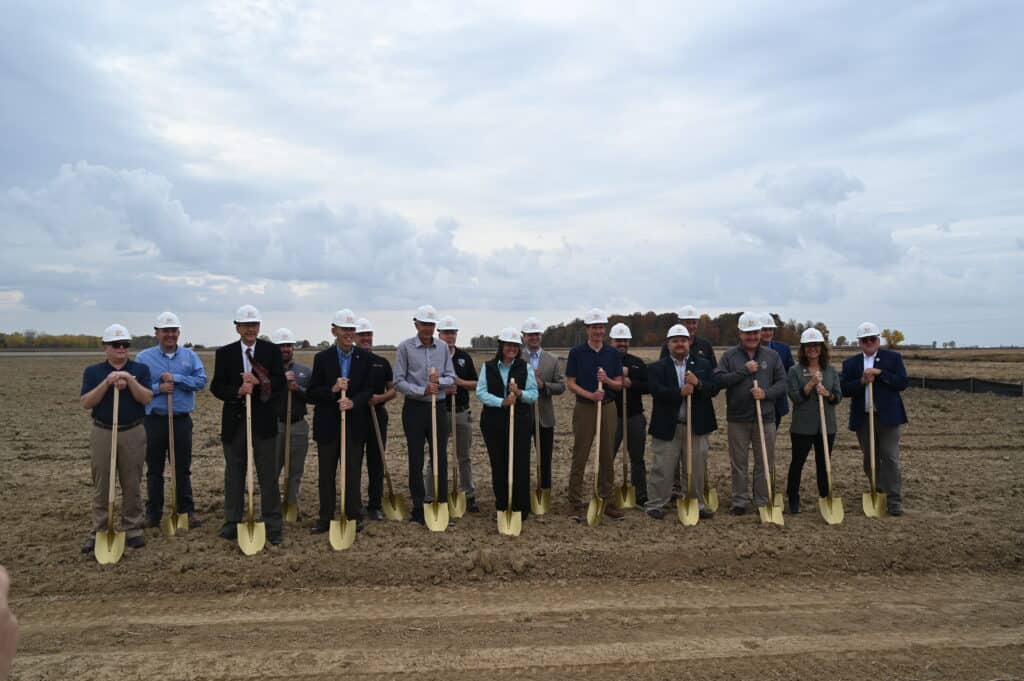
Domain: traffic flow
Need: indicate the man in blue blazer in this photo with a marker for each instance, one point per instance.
(670, 380)
(342, 367)
(885, 370)
(768, 327)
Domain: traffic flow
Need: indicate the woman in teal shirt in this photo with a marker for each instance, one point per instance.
(498, 396)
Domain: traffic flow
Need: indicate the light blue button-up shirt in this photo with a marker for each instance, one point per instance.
(344, 360)
(529, 395)
(188, 373)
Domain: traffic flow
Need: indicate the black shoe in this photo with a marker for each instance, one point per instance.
(319, 527)
(274, 537)
(229, 531)
(471, 506)
(706, 514)
(896, 510)
(793, 507)
(90, 544)
(417, 516)
(375, 514)
(194, 521)
(136, 542)
(655, 513)
(738, 510)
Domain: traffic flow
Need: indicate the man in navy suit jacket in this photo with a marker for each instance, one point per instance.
(884, 370)
(342, 367)
(670, 380)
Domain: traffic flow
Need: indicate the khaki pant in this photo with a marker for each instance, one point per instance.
(131, 456)
(584, 429)
(744, 438)
(668, 458)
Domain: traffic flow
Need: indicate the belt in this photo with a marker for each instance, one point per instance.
(120, 428)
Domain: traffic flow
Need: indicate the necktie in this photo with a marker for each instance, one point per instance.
(261, 374)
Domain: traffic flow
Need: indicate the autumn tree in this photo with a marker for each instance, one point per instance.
(893, 337)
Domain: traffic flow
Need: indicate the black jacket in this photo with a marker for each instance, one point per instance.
(326, 415)
(664, 385)
(227, 379)
(638, 386)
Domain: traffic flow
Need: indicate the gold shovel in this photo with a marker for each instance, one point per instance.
(173, 521)
(393, 505)
(831, 507)
(540, 497)
(873, 502)
(435, 514)
(252, 535)
(595, 509)
(510, 522)
(110, 544)
(772, 512)
(688, 507)
(289, 509)
(625, 495)
(456, 498)
(343, 531)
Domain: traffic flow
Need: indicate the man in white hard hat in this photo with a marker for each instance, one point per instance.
(458, 399)
(768, 327)
(634, 382)
(340, 382)
(249, 366)
(884, 369)
(176, 371)
(423, 368)
(547, 371)
(297, 379)
(739, 367)
(382, 389)
(592, 370)
(671, 380)
(133, 380)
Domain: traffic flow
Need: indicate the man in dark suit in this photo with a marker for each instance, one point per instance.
(883, 369)
(670, 380)
(249, 366)
(341, 368)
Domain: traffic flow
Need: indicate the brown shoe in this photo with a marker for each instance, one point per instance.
(612, 512)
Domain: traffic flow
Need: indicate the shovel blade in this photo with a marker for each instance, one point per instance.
(252, 537)
(711, 499)
(168, 526)
(540, 501)
(595, 511)
(625, 497)
(771, 515)
(181, 521)
(290, 512)
(510, 523)
(688, 511)
(874, 504)
(342, 534)
(109, 547)
(831, 510)
(395, 508)
(457, 504)
(436, 516)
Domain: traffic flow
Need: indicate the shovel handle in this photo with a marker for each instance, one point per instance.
(692, 489)
(764, 449)
(248, 455)
(170, 452)
(343, 437)
(871, 436)
(597, 443)
(455, 450)
(511, 443)
(287, 444)
(380, 448)
(824, 441)
(433, 434)
(536, 440)
(625, 433)
(113, 463)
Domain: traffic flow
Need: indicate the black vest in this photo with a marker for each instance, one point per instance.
(496, 416)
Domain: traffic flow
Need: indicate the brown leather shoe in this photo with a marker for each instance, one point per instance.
(612, 512)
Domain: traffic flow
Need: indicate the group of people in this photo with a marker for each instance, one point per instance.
(759, 375)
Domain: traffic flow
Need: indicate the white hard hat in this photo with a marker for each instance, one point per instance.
(426, 314)
(532, 325)
(247, 314)
(167, 320)
(811, 335)
(510, 335)
(677, 330)
(363, 325)
(116, 332)
(767, 321)
(594, 316)
(688, 312)
(750, 321)
(621, 331)
(867, 329)
(344, 319)
(447, 323)
(283, 336)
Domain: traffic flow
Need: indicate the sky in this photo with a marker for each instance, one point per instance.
(835, 162)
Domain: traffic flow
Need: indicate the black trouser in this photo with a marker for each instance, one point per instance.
(495, 432)
(547, 445)
(637, 430)
(801, 447)
(375, 461)
(416, 422)
(157, 446)
(328, 458)
(265, 462)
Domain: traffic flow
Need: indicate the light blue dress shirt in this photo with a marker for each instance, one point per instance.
(189, 377)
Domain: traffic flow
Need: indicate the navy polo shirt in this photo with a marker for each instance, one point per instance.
(584, 362)
(130, 409)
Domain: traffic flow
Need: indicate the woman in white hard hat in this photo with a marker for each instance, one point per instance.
(496, 393)
(811, 376)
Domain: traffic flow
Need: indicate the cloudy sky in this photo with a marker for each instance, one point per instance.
(856, 161)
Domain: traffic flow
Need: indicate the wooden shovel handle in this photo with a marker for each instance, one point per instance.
(113, 462)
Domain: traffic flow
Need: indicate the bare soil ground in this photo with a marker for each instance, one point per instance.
(934, 594)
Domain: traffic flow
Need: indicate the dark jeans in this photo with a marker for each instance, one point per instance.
(374, 462)
(637, 429)
(328, 458)
(801, 447)
(496, 439)
(547, 445)
(265, 465)
(157, 445)
(416, 422)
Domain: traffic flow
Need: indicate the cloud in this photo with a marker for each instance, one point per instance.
(801, 187)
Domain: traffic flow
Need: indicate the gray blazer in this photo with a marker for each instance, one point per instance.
(806, 418)
(550, 369)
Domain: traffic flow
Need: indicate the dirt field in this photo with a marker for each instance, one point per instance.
(935, 594)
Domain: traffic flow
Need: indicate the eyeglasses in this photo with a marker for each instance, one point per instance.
(868, 340)
(120, 345)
